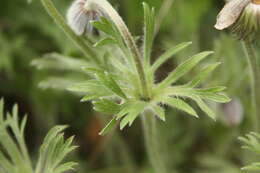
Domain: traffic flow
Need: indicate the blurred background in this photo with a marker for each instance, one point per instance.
(28, 35)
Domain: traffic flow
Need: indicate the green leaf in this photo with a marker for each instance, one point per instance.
(131, 111)
(211, 90)
(59, 62)
(104, 25)
(105, 41)
(90, 97)
(65, 167)
(107, 80)
(204, 107)
(90, 87)
(181, 105)
(106, 106)
(53, 151)
(183, 69)
(251, 142)
(203, 74)
(108, 127)
(220, 98)
(159, 112)
(149, 23)
(168, 54)
(61, 82)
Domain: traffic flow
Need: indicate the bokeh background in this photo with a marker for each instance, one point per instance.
(28, 34)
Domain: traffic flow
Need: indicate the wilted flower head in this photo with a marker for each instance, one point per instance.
(243, 16)
(79, 18)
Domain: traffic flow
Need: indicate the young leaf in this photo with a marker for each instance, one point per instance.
(168, 54)
(108, 127)
(181, 105)
(183, 69)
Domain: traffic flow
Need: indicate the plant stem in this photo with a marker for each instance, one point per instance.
(105, 6)
(84, 46)
(254, 74)
(151, 142)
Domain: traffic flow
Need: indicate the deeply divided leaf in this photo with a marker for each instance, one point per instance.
(184, 68)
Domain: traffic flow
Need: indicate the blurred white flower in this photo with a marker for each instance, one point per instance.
(79, 18)
(231, 112)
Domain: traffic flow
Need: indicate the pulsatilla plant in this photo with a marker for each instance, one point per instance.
(126, 87)
(123, 81)
(14, 156)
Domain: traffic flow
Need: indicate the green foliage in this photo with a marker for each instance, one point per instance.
(14, 157)
(117, 85)
(251, 142)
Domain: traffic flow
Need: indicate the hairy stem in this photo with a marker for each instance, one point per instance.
(254, 74)
(151, 142)
(105, 6)
(84, 46)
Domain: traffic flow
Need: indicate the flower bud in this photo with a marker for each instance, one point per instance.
(243, 16)
(248, 25)
(79, 17)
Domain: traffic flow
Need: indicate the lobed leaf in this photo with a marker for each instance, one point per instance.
(204, 107)
(203, 74)
(168, 54)
(183, 69)
(181, 105)
(90, 87)
(108, 81)
(129, 112)
(106, 106)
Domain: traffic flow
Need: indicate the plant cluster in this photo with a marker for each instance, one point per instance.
(14, 156)
(123, 81)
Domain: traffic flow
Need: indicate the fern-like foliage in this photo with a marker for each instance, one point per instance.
(120, 83)
(14, 157)
(252, 142)
(114, 84)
